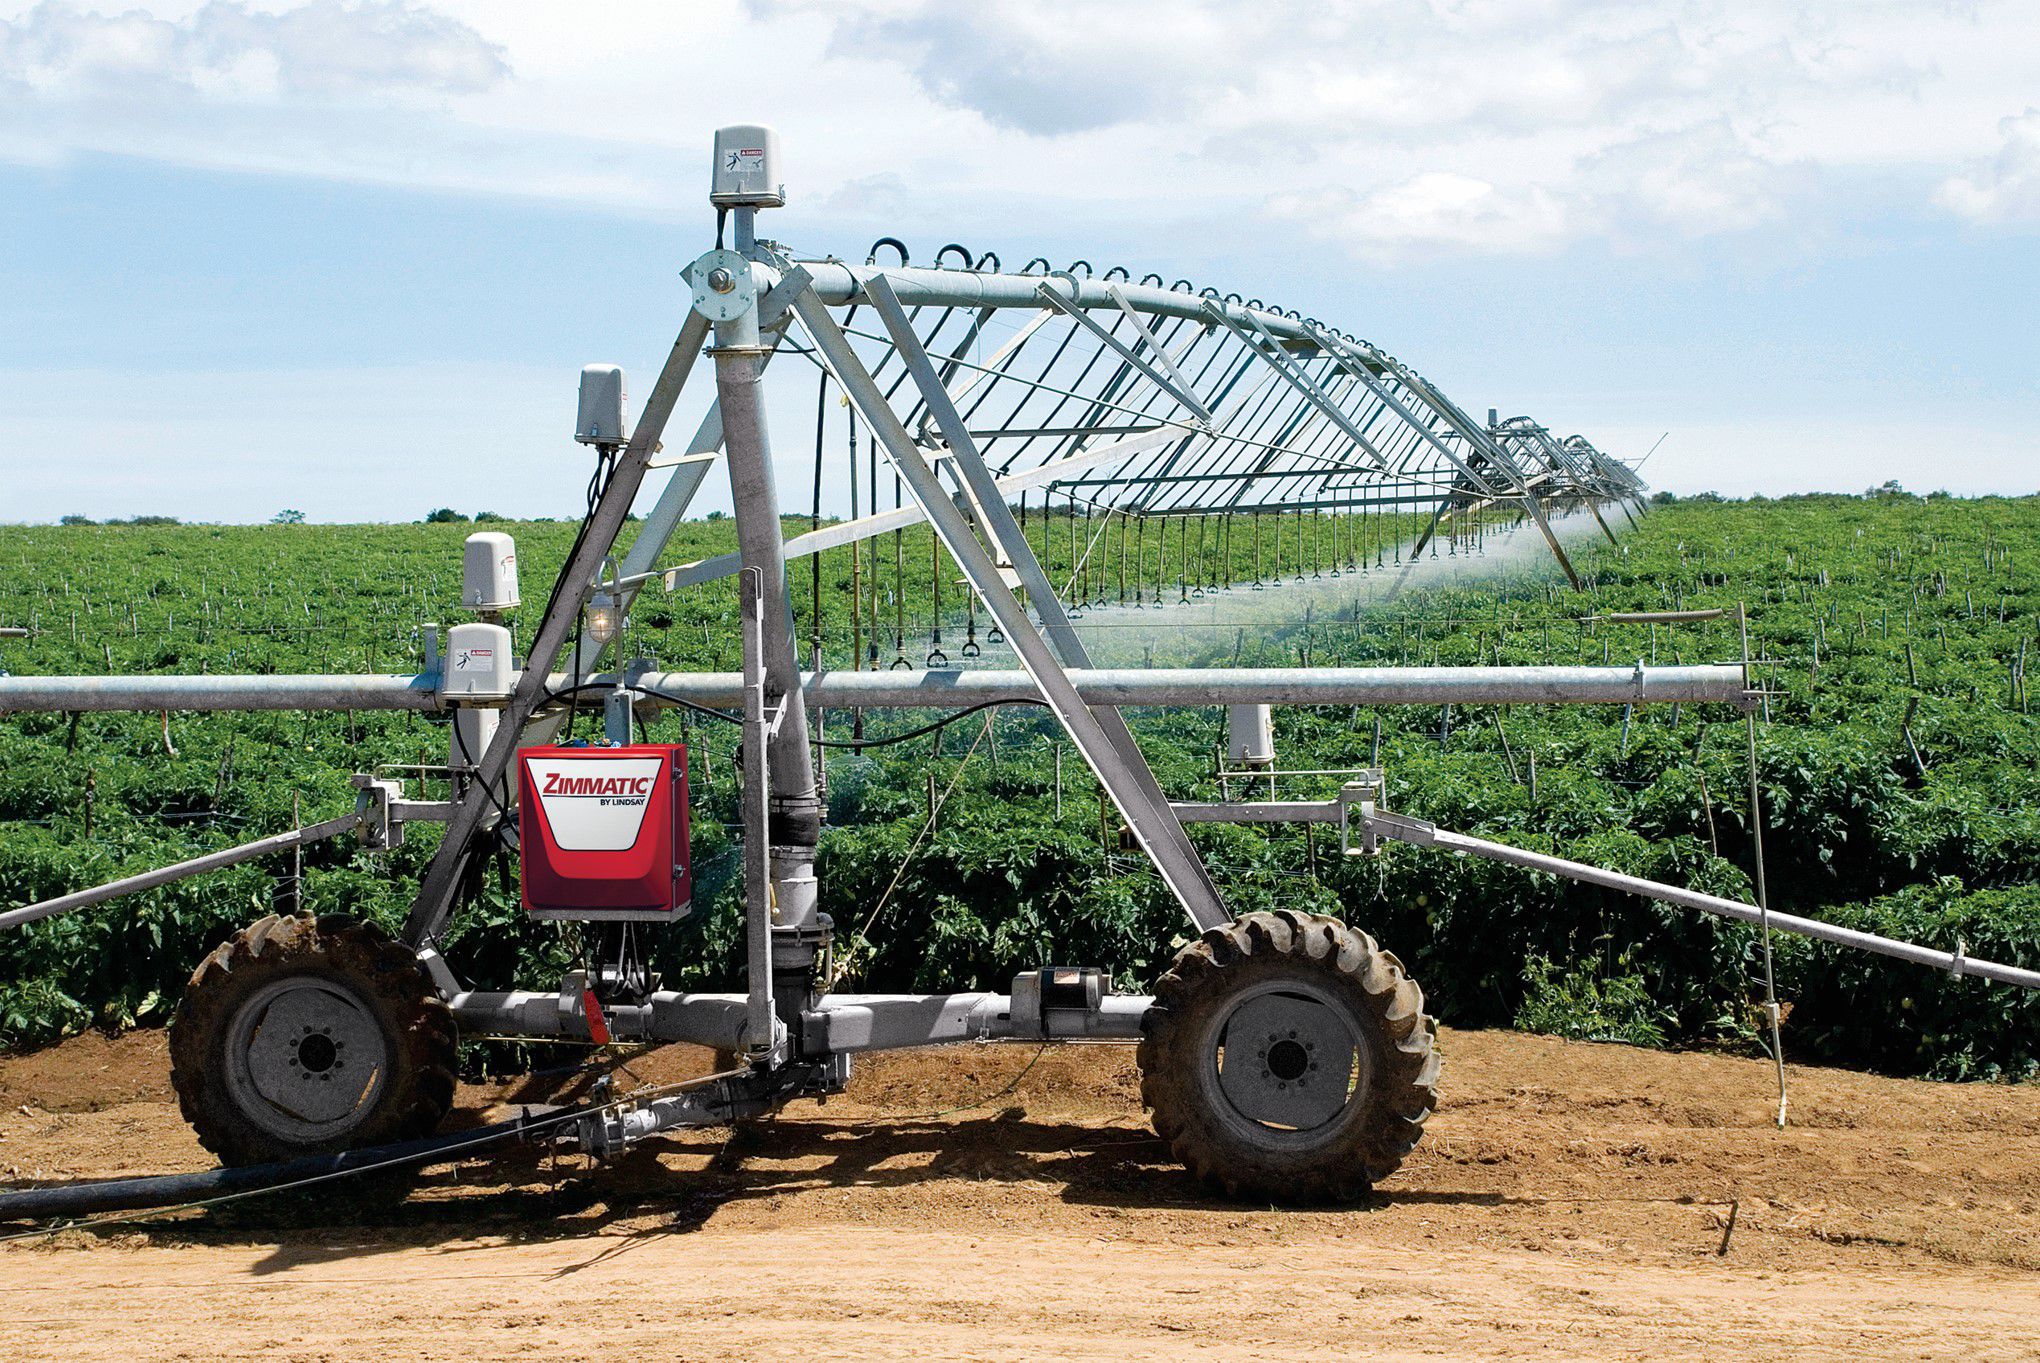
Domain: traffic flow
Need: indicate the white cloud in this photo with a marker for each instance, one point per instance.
(1437, 208)
(227, 51)
(1691, 182)
(1388, 126)
(1668, 186)
(2006, 188)
(870, 196)
(1058, 66)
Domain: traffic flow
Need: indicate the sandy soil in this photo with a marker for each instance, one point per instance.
(1570, 1201)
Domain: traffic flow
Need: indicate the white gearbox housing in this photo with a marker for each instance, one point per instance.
(600, 420)
(1250, 734)
(747, 168)
(478, 664)
(488, 572)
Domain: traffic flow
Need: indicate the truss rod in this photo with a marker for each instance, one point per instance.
(1169, 382)
(442, 876)
(867, 527)
(1137, 799)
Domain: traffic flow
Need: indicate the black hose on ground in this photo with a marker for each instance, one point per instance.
(169, 1190)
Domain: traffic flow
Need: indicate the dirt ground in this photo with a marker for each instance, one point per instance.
(1569, 1201)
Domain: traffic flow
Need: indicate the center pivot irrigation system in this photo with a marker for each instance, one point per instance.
(1284, 1056)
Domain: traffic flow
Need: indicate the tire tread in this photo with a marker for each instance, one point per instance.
(1406, 1062)
(420, 1085)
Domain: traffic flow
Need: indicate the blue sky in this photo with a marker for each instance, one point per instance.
(348, 257)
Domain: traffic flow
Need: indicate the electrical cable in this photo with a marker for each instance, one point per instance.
(436, 1150)
(925, 729)
(985, 1101)
(928, 826)
(598, 483)
(852, 743)
(488, 790)
(569, 691)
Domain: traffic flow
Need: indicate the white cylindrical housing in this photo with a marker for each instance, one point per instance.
(1250, 735)
(600, 419)
(472, 732)
(478, 664)
(467, 738)
(488, 572)
(747, 168)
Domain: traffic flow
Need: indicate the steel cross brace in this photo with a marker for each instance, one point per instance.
(1479, 437)
(1280, 362)
(1234, 403)
(1314, 400)
(1356, 366)
(1170, 382)
(1142, 802)
(1595, 512)
(442, 877)
(1135, 790)
(1592, 472)
(690, 470)
(1161, 352)
(1100, 735)
(867, 527)
(1537, 442)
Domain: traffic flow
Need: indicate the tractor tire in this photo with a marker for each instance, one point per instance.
(309, 1036)
(1287, 1058)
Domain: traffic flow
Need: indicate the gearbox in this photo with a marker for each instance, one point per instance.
(603, 832)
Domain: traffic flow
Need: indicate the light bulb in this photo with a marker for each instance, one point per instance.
(602, 620)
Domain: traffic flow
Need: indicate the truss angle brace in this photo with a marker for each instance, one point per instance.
(1100, 736)
(1281, 363)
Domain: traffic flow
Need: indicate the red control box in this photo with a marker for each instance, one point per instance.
(603, 832)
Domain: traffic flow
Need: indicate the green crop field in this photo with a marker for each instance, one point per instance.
(1900, 763)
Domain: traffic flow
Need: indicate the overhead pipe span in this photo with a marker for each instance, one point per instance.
(332, 691)
(839, 285)
(942, 688)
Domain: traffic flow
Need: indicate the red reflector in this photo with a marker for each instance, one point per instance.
(598, 1026)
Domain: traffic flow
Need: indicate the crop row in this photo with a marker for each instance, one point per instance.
(1899, 760)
